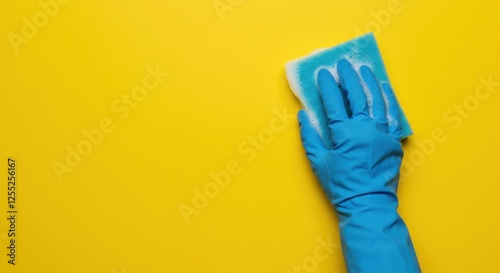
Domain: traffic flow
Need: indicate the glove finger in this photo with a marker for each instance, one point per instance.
(351, 83)
(331, 97)
(377, 100)
(393, 112)
(310, 138)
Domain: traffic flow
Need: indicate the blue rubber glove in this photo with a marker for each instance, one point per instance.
(360, 173)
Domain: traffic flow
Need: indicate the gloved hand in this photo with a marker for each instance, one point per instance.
(360, 173)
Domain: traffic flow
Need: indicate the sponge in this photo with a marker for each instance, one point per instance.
(302, 73)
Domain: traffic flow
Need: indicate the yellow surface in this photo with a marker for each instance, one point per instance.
(119, 209)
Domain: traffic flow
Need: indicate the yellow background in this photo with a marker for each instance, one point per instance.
(118, 210)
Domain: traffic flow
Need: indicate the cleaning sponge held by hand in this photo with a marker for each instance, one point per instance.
(302, 75)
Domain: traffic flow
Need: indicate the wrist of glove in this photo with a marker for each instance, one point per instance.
(356, 167)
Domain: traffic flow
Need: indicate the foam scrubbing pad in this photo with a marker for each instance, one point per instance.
(301, 75)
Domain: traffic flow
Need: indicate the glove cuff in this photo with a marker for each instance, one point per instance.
(374, 237)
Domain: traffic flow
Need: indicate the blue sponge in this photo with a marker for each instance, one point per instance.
(302, 73)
